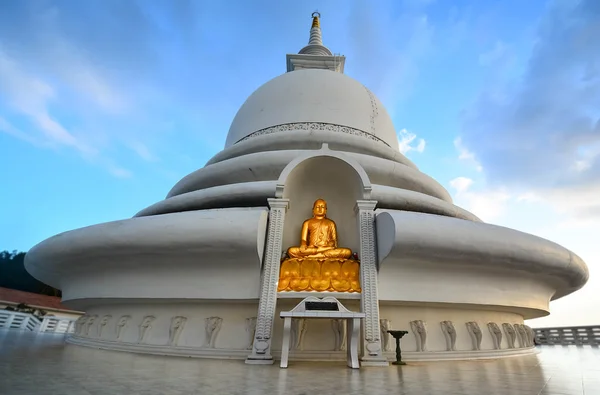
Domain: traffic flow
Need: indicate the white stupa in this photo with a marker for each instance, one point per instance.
(198, 274)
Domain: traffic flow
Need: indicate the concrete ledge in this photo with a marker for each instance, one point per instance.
(302, 295)
(256, 193)
(216, 353)
(268, 165)
(461, 355)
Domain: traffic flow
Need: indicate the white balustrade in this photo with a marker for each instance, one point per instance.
(29, 322)
(577, 335)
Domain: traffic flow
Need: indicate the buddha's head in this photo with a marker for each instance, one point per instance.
(320, 208)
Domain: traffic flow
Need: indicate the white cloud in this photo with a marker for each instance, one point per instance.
(119, 172)
(493, 55)
(466, 155)
(395, 70)
(406, 140)
(534, 129)
(8, 128)
(461, 184)
(31, 96)
(487, 204)
(538, 215)
(142, 151)
(530, 197)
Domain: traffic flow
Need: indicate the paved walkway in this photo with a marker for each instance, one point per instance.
(44, 364)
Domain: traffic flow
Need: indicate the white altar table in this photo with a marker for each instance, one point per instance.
(301, 311)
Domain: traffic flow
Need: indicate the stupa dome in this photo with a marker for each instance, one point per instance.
(317, 95)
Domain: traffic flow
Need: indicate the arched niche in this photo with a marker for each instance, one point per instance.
(327, 175)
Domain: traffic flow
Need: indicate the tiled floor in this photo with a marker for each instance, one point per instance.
(43, 364)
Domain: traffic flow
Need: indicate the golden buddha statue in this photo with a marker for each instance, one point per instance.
(318, 264)
(318, 238)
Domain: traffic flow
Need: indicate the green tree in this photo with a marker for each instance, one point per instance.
(14, 276)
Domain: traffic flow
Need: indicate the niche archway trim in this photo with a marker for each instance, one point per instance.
(324, 152)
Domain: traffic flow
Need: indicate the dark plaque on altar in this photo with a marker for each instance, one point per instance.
(321, 306)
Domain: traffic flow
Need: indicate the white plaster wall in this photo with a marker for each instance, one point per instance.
(330, 179)
(400, 316)
(476, 255)
(171, 277)
(232, 339)
(140, 256)
(443, 282)
(232, 334)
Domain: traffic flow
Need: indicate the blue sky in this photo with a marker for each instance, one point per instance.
(105, 104)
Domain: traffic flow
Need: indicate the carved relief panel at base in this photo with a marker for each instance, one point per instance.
(449, 334)
(419, 329)
(519, 338)
(103, 322)
(510, 334)
(145, 327)
(496, 335)
(176, 328)
(385, 326)
(475, 333)
(121, 325)
(88, 324)
(212, 326)
(79, 325)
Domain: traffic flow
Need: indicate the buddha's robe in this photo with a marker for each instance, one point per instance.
(319, 240)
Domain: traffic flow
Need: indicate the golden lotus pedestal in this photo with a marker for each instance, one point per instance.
(319, 275)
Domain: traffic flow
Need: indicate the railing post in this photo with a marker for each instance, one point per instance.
(10, 319)
(43, 325)
(24, 323)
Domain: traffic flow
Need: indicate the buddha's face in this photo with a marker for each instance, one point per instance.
(320, 208)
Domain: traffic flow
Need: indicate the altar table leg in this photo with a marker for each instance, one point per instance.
(285, 346)
(352, 342)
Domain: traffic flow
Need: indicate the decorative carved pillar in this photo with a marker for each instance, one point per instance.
(372, 351)
(261, 347)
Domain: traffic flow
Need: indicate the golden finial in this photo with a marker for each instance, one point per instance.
(315, 16)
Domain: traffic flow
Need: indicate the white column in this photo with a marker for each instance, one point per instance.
(372, 352)
(261, 347)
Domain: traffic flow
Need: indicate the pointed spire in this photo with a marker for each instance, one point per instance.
(315, 55)
(315, 17)
(315, 43)
(315, 30)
